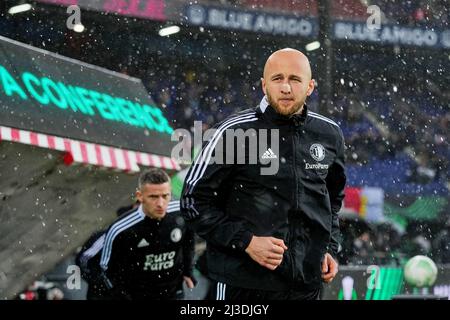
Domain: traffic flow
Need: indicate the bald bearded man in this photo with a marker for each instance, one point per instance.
(270, 236)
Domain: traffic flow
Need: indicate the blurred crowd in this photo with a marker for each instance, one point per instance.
(413, 122)
(365, 243)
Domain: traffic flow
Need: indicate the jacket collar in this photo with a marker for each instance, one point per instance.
(266, 111)
(141, 212)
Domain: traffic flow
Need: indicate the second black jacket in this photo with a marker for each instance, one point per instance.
(147, 258)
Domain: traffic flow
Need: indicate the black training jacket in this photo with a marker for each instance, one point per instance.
(227, 198)
(146, 258)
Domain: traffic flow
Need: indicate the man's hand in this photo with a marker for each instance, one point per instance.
(189, 282)
(267, 251)
(329, 268)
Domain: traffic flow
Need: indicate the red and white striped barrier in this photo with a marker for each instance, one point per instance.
(90, 153)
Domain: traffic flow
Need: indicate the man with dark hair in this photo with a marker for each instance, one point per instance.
(270, 236)
(147, 253)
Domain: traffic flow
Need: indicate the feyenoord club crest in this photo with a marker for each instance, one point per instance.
(175, 235)
(317, 151)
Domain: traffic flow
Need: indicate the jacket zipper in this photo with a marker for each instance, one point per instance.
(294, 151)
(292, 239)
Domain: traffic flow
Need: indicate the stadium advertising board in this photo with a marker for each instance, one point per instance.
(392, 34)
(276, 24)
(252, 21)
(266, 22)
(47, 93)
(149, 9)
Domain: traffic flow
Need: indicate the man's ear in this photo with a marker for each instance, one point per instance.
(138, 195)
(263, 85)
(310, 87)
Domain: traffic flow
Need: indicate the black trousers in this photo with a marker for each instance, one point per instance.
(222, 291)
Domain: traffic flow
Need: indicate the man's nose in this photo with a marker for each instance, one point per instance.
(286, 88)
(160, 202)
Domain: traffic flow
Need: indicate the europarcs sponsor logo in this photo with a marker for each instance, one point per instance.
(317, 152)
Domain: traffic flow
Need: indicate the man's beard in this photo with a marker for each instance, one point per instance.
(284, 111)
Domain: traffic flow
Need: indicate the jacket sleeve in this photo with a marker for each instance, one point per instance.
(204, 192)
(88, 257)
(188, 253)
(336, 180)
(112, 263)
